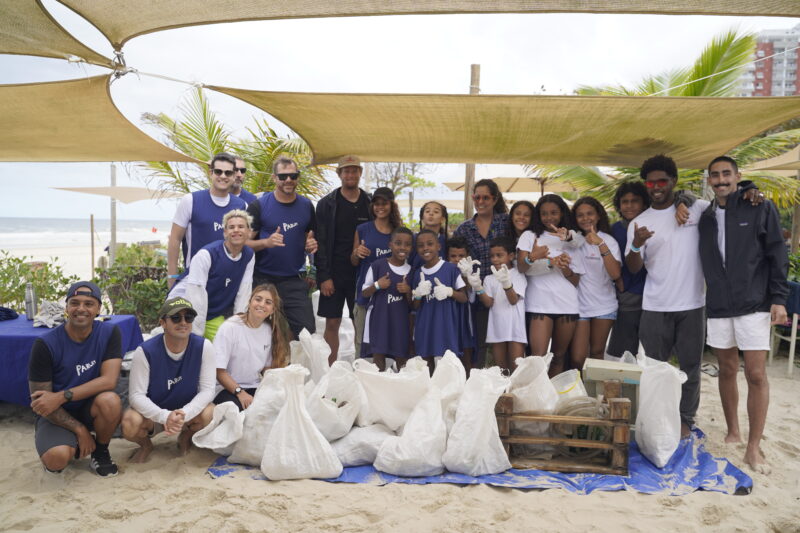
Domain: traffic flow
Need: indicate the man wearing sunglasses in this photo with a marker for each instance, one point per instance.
(673, 314)
(198, 219)
(283, 232)
(220, 276)
(171, 382)
(339, 213)
(72, 374)
(236, 188)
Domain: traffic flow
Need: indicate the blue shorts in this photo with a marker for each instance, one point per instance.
(610, 316)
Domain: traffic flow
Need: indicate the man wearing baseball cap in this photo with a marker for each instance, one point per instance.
(172, 382)
(72, 373)
(338, 215)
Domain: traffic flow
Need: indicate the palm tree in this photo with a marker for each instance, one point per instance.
(714, 73)
(200, 134)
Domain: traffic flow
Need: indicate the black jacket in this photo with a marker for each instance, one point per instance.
(326, 222)
(754, 274)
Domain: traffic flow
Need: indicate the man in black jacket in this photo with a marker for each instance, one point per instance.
(744, 264)
(338, 215)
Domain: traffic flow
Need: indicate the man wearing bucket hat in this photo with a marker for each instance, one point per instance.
(172, 382)
(72, 373)
(338, 215)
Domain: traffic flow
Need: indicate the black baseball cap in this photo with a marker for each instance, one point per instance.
(84, 288)
(383, 192)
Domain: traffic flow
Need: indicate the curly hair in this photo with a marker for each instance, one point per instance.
(499, 203)
(636, 188)
(659, 162)
(278, 324)
(442, 230)
(602, 217)
(564, 222)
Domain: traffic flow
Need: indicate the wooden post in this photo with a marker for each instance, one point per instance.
(469, 178)
(91, 230)
(112, 245)
(620, 414)
(795, 238)
(505, 406)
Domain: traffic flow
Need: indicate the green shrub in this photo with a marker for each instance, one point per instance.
(794, 267)
(48, 280)
(136, 284)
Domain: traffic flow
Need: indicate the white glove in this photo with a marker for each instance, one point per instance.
(503, 276)
(465, 265)
(441, 292)
(474, 280)
(423, 288)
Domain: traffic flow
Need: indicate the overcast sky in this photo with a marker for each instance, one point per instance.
(518, 54)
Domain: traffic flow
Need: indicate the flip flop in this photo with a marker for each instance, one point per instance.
(710, 369)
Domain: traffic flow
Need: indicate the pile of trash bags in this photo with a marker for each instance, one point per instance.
(309, 420)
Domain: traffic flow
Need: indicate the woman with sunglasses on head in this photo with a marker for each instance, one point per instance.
(370, 243)
(490, 221)
(249, 343)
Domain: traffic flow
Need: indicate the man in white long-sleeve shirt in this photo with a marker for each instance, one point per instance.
(171, 382)
(220, 276)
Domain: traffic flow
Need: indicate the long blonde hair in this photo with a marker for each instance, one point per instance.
(277, 322)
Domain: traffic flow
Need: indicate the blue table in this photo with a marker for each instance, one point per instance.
(16, 341)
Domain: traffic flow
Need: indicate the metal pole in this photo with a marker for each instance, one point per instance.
(112, 245)
(795, 237)
(91, 230)
(469, 178)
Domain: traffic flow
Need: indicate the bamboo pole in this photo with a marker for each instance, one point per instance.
(469, 178)
(112, 245)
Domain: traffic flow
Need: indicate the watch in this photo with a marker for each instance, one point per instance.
(237, 390)
(68, 395)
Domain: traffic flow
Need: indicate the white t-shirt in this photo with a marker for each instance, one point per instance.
(183, 214)
(140, 381)
(597, 294)
(720, 231)
(243, 351)
(551, 292)
(404, 270)
(506, 321)
(672, 258)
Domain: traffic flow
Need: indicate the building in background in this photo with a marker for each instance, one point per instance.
(774, 76)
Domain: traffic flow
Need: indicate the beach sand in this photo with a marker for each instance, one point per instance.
(175, 494)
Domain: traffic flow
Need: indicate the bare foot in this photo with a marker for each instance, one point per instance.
(755, 459)
(732, 438)
(142, 454)
(184, 442)
(685, 431)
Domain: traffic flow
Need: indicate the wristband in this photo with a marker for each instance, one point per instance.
(509, 287)
(418, 297)
(528, 260)
(173, 276)
(549, 263)
(377, 286)
(480, 291)
(634, 249)
(603, 254)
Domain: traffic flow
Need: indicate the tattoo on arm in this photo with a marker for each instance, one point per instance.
(60, 416)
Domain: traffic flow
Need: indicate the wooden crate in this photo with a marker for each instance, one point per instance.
(614, 460)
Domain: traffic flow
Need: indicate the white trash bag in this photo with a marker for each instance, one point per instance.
(627, 357)
(224, 430)
(449, 377)
(295, 449)
(311, 351)
(533, 392)
(658, 421)
(392, 397)
(335, 401)
(473, 446)
(418, 451)
(258, 420)
(361, 445)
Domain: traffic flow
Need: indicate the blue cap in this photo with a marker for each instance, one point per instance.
(84, 288)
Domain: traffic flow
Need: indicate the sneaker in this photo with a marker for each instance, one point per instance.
(102, 464)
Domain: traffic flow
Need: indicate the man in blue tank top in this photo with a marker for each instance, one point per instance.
(220, 276)
(283, 233)
(198, 219)
(238, 179)
(72, 373)
(171, 384)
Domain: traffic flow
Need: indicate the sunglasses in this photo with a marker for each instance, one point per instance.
(657, 183)
(241, 169)
(176, 319)
(481, 197)
(288, 175)
(220, 172)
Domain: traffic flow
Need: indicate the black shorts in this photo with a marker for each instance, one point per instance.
(225, 396)
(48, 435)
(345, 292)
(553, 316)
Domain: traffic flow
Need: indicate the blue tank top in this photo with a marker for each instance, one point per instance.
(224, 278)
(416, 261)
(378, 244)
(389, 332)
(436, 327)
(294, 220)
(75, 363)
(173, 384)
(206, 222)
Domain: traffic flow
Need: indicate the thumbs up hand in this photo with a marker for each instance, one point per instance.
(384, 282)
(362, 251)
(503, 276)
(276, 239)
(441, 291)
(403, 287)
(423, 287)
(311, 243)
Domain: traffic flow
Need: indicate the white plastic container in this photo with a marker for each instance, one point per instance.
(569, 385)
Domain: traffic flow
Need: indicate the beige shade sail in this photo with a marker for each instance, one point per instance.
(120, 20)
(520, 184)
(26, 28)
(126, 195)
(73, 120)
(786, 161)
(569, 130)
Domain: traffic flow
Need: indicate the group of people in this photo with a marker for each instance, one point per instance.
(536, 279)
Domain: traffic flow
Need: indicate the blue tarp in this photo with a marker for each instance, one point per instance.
(691, 468)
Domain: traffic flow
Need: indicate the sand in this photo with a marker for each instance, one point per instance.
(171, 493)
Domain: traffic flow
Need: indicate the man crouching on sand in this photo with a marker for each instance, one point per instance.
(171, 382)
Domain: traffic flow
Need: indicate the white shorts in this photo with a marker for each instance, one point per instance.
(747, 332)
